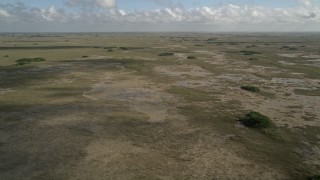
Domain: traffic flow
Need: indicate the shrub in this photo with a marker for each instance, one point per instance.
(192, 57)
(250, 52)
(166, 54)
(212, 39)
(250, 88)
(314, 177)
(256, 120)
(293, 49)
(23, 61)
(289, 48)
(124, 48)
(84, 56)
(6, 56)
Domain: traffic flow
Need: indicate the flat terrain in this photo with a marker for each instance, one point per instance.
(159, 106)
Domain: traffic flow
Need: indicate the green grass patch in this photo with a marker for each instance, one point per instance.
(250, 88)
(256, 120)
(24, 61)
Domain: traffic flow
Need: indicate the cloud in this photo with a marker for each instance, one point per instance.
(305, 2)
(226, 17)
(106, 3)
(91, 3)
(4, 13)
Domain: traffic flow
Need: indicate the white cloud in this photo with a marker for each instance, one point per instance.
(4, 13)
(305, 2)
(228, 16)
(106, 3)
(91, 3)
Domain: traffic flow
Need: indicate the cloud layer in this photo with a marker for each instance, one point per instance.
(91, 3)
(227, 16)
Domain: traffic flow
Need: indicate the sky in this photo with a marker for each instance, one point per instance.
(159, 15)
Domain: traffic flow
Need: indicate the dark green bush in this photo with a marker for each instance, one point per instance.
(124, 48)
(289, 48)
(84, 56)
(6, 56)
(314, 177)
(256, 120)
(250, 52)
(192, 57)
(212, 39)
(166, 54)
(250, 88)
(23, 61)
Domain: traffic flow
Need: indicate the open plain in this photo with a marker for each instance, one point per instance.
(159, 106)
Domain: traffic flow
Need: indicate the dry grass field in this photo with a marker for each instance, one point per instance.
(159, 106)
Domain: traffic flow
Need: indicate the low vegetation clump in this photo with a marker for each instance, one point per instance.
(251, 46)
(166, 54)
(250, 88)
(124, 48)
(192, 57)
(250, 52)
(314, 177)
(212, 39)
(84, 56)
(256, 120)
(6, 56)
(24, 61)
(289, 48)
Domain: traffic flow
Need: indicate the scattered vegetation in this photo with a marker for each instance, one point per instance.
(192, 57)
(250, 52)
(6, 56)
(256, 120)
(250, 88)
(166, 54)
(24, 61)
(253, 59)
(84, 56)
